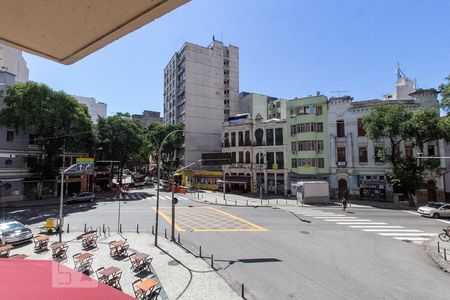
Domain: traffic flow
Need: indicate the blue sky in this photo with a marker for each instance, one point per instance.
(288, 48)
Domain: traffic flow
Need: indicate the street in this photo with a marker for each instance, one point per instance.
(284, 252)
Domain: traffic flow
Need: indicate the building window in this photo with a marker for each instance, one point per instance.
(294, 146)
(32, 139)
(233, 139)
(247, 138)
(306, 145)
(241, 157)
(340, 128)
(319, 145)
(233, 157)
(363, 154)
(361, 131)
(270, 160)
(319, 127)
(241, 138)
(305, 127)
(259, 158)
(259, 137)
(307, 162)
(341, 154)
(293, 129)
(247, 157)
(10, 136)
(408, 151)
(431, 150)
(321, 163)
(303, 110)
(278, 136)
(319, 110)
(294, 163)
(226, 141)
(280, 160)
(269, 137)
(378, 152)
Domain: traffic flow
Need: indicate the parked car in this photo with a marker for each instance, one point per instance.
(14, 232)
(82, 197)
(435, 210)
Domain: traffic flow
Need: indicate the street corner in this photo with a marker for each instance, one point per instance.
(439, 252)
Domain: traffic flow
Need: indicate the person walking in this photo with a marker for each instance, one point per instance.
(344, 204)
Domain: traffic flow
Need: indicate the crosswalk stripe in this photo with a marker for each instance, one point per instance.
(393, 230)
(355, 220)
(360, 223)
(411, 238)
(376, 226)
(409, 234)
(340, 217)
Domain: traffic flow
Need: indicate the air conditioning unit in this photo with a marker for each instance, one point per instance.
(32, 146)
(341, 163)
(293, 116)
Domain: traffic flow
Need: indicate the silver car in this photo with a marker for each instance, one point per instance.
(82, 197)
(14, 232)
(435, 210)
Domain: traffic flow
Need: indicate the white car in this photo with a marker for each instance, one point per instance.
(435, 210)
(14, 232)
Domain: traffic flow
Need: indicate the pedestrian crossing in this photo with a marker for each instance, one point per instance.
(380, 228)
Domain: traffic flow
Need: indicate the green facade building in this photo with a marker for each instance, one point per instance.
(307, 125)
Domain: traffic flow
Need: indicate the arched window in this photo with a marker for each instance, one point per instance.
(258, 156)
(259, 137)
(247, 157)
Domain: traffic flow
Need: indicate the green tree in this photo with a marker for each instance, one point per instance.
(56, 120)
(156, 135)
(444, 90)
(394, 123)
(121, 138)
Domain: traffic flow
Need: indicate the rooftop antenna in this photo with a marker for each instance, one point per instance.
(339, 92)
(400, 74)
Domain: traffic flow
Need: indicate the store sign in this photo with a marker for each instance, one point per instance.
(85, 161)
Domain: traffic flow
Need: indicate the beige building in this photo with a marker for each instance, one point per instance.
(258, 152)
(148, 117)
(201, 90)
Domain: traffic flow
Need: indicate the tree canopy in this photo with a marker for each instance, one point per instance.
(393, 122)
(444, 90)
(56, 120)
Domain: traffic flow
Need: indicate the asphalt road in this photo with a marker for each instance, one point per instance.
(303, 254)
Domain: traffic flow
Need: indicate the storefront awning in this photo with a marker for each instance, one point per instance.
(68, 30)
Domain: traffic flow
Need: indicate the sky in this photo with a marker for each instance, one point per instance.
(287, 49)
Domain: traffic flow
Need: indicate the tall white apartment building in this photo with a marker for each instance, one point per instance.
(96, 109)
(201, 90)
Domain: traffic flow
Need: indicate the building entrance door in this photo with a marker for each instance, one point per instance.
(432, 196)
(342, 188)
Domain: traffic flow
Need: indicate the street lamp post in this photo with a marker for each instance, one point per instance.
(61, 223)
(261, 155)
(158, 183)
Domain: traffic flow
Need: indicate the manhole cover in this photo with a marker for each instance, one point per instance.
(173, 263)
(304, 232)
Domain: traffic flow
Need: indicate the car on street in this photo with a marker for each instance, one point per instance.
(82, 197)
(14, 232)
(435, 210)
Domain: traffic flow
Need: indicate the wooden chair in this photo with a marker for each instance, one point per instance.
(100, 277)
(112, 249)
(138, 293)
(115, 281)
(154, 294)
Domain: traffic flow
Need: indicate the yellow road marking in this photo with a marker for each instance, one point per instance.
(240, 219)
(199, 220)
(168, 220)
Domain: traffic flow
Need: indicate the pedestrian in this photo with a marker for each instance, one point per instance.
(344, 204)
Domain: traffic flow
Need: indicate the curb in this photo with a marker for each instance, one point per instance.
(436, 257)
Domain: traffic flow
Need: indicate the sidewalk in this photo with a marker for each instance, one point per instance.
(441, 257)
(212, 197)
(181, 275)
